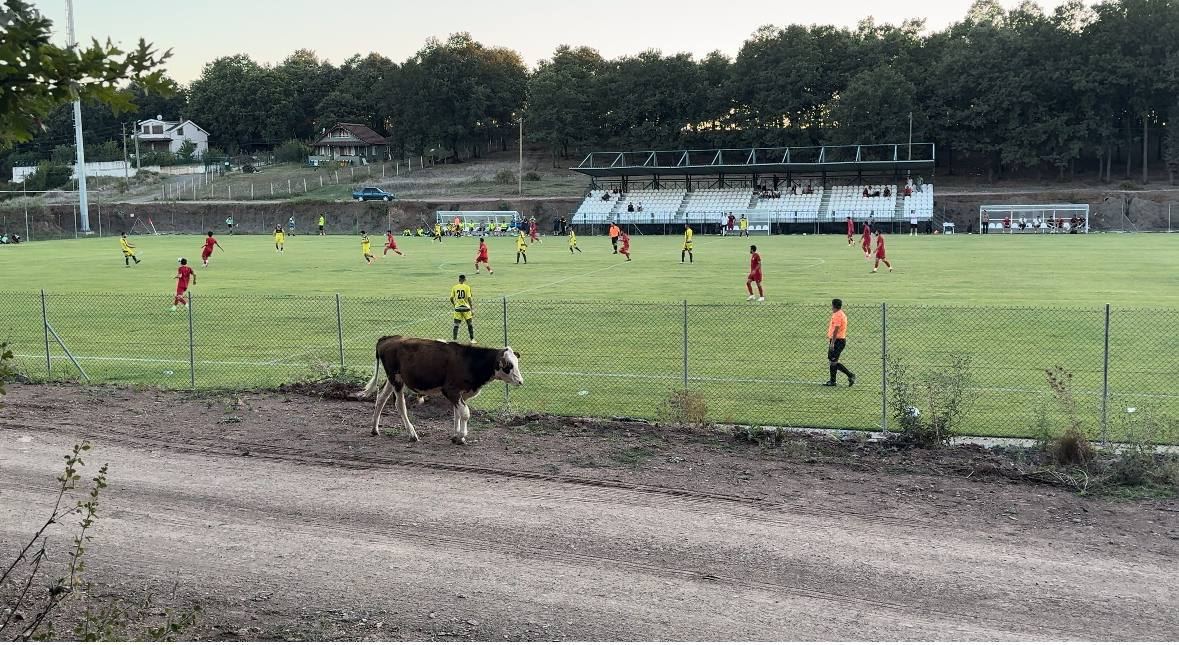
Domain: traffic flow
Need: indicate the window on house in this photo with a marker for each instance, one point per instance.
(157, 129)
(180, 131)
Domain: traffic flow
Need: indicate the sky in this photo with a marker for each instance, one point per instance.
(269, 30)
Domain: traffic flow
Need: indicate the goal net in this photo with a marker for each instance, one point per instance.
(1035, 218)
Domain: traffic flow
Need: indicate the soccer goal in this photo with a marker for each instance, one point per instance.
(493, 222)
(142, 225)
(1034, 218)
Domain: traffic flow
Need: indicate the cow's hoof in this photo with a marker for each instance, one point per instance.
(376, 433)
(413, 438)
(459, 441)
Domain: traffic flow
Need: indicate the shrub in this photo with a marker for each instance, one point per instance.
(531, 175)
(293, 151)
(684, 406)
(505, 177)
(930, 407)
(49, 176)
(6, 371)
(184, 154)
(159, 159)
(1071, 446)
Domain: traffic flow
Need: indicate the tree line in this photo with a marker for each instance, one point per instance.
(1081, 88)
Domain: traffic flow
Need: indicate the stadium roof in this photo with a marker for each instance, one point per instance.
(831, 160)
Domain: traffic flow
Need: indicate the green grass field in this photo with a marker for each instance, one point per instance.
(604, 337)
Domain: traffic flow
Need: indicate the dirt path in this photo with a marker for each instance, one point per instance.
(283, 518)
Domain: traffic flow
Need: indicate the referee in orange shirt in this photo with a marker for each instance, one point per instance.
(836, 341)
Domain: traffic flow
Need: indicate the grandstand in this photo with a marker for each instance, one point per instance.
(660, 191)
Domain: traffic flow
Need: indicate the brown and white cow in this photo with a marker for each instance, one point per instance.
(432, 366)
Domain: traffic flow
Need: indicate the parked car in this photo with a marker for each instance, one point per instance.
(370, 193)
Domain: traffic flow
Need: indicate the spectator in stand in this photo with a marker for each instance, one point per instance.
(887, 191)
(1022, 224)
(1036, 224)
(639, 208)
(920, 182)
(793, 188)
(808, 190)
(908, 191)
(630, 207)
(876, 192)
(866, 193)
(606, 196)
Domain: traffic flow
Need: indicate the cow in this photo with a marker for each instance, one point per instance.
(431, 366)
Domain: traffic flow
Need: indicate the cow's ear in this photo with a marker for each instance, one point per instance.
(517, 354)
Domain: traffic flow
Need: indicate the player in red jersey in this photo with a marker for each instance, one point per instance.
(866, 240)
(207, 252)
(880, 253)
(481, 258)
(183, 275)
(532, 235)
(754, 276)
(851, 230)
(625, 239)
(390, 244)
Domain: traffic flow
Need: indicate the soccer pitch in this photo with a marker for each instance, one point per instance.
(601, 336)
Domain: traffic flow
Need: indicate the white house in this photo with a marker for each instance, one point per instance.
(351, 143)
(158, 135)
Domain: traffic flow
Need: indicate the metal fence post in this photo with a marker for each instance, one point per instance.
(340, 331)
(191, 347)
(1105, 379)
(685, 346)
(507, 392)
(884, 367)
(45, 328)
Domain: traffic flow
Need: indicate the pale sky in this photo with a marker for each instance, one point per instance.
(268, 30)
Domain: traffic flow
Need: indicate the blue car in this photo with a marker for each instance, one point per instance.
(370, 193)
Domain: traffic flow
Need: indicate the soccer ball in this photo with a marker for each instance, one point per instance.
(132, 215)
(912, 412)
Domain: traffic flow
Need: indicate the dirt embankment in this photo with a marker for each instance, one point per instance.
(283, 518)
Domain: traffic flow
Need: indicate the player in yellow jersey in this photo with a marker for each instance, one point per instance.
(687, 244)
(462, 299)
(128, 251)
(366, 247)
(437, 232)
(743, 226)
(280, 239)
(521, 248)
(573, 241)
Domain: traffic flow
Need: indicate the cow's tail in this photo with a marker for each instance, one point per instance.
(374, 382)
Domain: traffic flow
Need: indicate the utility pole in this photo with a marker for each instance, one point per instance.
(520, 169)
(83, 206)
(135, 135)
(910, 135)
(126, 166)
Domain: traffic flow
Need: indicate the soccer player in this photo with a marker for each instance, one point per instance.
(614, 230)
(322, 222)
(183, 275)
(836, 341)
(366, 247)
(687, 251)
(291, 226)
(207, 252)
(437, 232)
(461, 298)
(229, 223)
(743, 226)
(880, 253)
(573, 241)
(390, 244)
(532, 231)
(280, 239)
(128, 251)
(625, 250)
(481, 258)
(754, 276)
(866, 240)
(851, 230)
(521, 248)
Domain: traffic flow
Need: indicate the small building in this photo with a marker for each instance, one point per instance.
(158, 135)
(350, 143)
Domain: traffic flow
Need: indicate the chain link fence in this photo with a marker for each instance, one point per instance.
(748, 363)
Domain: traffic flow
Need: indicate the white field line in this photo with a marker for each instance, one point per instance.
(621, 375)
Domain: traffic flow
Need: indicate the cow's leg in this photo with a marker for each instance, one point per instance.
(456, 401)
(413, 434)
(466, 415)
(382, 399)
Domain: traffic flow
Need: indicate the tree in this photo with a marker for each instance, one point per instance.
(186, 150)
(311, 80)
(560, 111)
(241, 102)
(1172, 144)
(36, 76)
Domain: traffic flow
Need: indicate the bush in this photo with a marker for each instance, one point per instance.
(531, 175)
(1071, 446)
(6, 371)
(505, 177)
(158, 159)
(184, 154)
(292, 151)
(684, 406)
(249, 168)
(930, 407)
(49, 176)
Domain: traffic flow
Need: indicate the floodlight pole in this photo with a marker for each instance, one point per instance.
(520, 168)
(83, 206)
(910, 135)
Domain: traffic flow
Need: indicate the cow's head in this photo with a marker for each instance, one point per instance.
(507, 367)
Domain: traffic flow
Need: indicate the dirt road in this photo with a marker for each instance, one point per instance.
(283, 518)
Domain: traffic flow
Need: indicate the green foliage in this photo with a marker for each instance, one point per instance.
(292, 151)
(505, 177)
(49, 176)
(36, 75)
(159, 159)
(684, 406)
(531, 176)
(6, 369)
(185, 152)
(930, 407)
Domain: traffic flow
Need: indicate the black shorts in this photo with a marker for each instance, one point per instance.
(321, 228)
(836, 349)
(912, 226)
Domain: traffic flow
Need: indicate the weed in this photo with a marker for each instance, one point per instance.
(531, 175)
(505, 177)
(684, 406)
(930, 407)
(633, 456)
